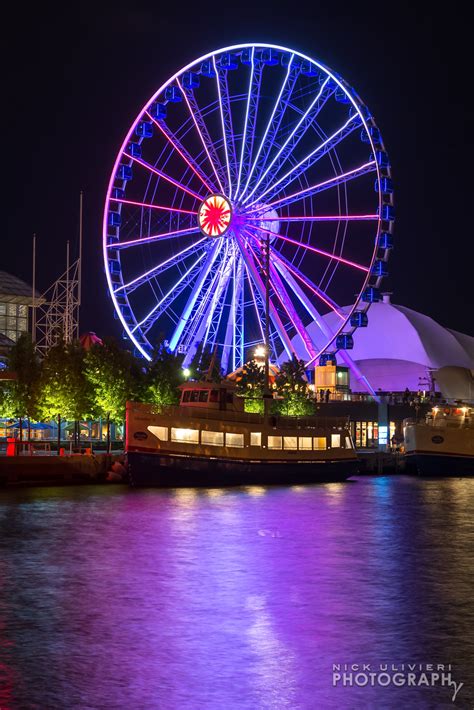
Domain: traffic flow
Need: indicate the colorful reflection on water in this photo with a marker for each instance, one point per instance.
(245, 598)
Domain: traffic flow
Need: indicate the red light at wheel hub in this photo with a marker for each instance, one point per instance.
(214, 216)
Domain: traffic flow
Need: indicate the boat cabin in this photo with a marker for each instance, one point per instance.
(449, 415)
(211, 395)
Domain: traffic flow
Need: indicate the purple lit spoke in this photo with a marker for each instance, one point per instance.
(162, 175)
(159, 268)
(322, 186)
(151, 206)
(295, 136)
(153, 238)
(179, 148)
(226, 121)
(327, 254)
(273, 125)
(201, 128)
(250, 121)
(173, 292)
(312, 158)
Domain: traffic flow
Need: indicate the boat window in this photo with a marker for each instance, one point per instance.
(274, 442)
(335, 441)
(212, 438)
(290, 442)
(161, 432)
(186, 395)
(195, 396)
(214, 396)
(305, 443)
(255, 438)
(185, 436)
(203, 395)
(348, 442)
(234, 440)
(319, 443)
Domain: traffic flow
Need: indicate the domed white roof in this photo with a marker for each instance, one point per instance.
(400, 342)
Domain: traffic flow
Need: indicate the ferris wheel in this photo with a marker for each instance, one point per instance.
(250, 147)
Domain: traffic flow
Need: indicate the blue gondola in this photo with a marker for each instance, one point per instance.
(385, 240)
(382, 159)
(114, 266)
(173, 94)
(207, 69)
(158, 111)
(115, 219)
(386, 185)
(373, 132)
(359, 319)
(270, 57)
(371, 295)
(135, 150)
(144, 129)
(341, 96)
(124, 172)
(327, 359)
(308, 69)
(345, 341)
(246, 56)
(190, 80)
(117, 193)
(228, 61)
(365, 114)
(387, 213)
(380, 268)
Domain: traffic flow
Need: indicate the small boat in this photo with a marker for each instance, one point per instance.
(443, 443)
(209, 440)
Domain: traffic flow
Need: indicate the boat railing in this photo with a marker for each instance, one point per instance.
(275, 421)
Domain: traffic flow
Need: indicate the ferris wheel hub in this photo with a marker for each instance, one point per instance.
(214, 216)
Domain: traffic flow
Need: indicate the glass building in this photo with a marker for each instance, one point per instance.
(15, 302)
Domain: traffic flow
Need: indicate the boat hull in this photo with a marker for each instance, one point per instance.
(178, 471)
(431, 464)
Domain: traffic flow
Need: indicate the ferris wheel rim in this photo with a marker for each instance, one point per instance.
(353, 98)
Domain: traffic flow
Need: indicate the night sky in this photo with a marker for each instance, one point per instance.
(73, 83)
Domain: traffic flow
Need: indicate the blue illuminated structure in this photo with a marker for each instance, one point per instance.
(290, 150)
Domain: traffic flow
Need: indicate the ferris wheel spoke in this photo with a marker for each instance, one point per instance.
(250, 121)
(151, 206)
(312, 158)
(288, 306)
(274, 122)
(160, 268)
(168, 298)
(234, 334)
(196, 334)
(201, 128)
(227, 129)
(322, 186)
(319, 218)
(214, 314)
(296, 134)
(181, 150)
(196, 290)
(253, 270)
(306, 281)
(321, 252)
(154, 238)
(164, 176)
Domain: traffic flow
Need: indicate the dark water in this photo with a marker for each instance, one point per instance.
(111, 598)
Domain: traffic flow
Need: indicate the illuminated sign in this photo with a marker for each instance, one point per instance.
(214, 216)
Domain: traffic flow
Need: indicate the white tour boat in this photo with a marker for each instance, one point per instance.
(443, 443)
(209, 440)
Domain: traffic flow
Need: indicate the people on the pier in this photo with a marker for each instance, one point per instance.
(326, 399)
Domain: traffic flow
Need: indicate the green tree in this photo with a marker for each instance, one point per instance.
(7, 409)
(292, 389)
(64, 388)
(163, 377)
(251, 386)
(24, 391)
(114, 376)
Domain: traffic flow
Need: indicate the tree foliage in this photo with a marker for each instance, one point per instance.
(63, 387)
(113, 376)
(21, 395)
(293, 390)
(163, 377)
